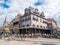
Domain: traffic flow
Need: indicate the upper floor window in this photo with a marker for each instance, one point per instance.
(28, 25)
(37, 25)
(22, 20)
(36, 19)
(27, 19)
(41, 26)
(33, 25)
(15, 23)
(23, 25)
(49, 25)
(40, 20)
(44, 27)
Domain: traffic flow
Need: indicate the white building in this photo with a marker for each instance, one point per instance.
(33, 19)
(33, 22)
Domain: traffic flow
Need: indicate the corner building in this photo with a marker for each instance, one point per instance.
(34, 23)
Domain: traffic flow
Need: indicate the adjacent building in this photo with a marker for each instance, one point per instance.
(52, 25)
(33, 23)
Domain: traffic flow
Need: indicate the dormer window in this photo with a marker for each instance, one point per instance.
(27, 11)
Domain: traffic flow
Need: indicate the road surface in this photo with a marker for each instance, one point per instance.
(31, 41)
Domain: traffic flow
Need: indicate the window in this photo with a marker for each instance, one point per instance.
(40, 20)
(15, 23)
(22, 20)
(49, 25)
(41, 26)
(33, 25)
(28, 25)
(37, 25)
(23, 25)
(35, 19)
(27, 19)
(44, 27)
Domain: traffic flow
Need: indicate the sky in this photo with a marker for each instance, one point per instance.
(11, 8)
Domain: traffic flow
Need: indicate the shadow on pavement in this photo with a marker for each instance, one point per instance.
(48, 44)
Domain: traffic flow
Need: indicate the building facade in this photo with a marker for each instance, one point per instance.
(33, 22)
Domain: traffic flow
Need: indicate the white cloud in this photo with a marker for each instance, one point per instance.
(50, 7)
(15, 7)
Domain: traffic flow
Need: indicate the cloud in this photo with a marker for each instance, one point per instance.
(12, 7)
(51, 8)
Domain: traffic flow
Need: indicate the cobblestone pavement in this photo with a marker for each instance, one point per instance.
(31, 41)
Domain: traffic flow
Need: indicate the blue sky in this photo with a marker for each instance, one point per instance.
(39, 2)
(11, 8)
(4, 5)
